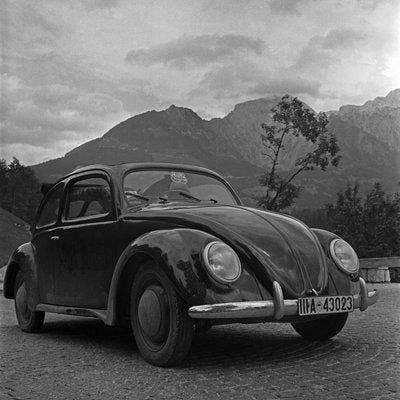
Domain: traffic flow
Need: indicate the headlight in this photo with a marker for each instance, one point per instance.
(222, 262)
(344, 256)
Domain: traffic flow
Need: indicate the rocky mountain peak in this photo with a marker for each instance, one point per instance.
(379, 117)
(260, 106)
(152, 126)
(181, 116)
(180, 112)
(392, 100)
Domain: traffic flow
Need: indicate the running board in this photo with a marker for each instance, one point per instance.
(75, 311)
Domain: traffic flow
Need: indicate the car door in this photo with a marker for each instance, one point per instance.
(45, 242)
(87, 253)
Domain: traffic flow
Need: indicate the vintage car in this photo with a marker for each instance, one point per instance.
(170, 249)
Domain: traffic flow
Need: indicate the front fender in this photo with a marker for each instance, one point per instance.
(22, 260)
(179, 251)
(339, 282)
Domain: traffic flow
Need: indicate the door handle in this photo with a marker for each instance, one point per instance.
(55, 238)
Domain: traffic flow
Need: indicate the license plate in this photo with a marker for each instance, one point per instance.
(325, 305)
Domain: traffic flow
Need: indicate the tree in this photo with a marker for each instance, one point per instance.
(371, 226)
(381, 223)
(292, 118)
(346, 217)
(3, 180)
(19, 190)
(314, 218)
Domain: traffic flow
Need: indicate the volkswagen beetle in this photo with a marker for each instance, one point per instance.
(170, 249)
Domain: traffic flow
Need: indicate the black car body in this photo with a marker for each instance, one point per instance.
(171, 248)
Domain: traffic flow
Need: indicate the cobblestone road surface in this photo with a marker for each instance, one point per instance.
(77, 358)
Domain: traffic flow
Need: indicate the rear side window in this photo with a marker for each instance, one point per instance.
(49, 212)
(87, 198)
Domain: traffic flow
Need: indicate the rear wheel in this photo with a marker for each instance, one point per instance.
(162, 328)
(28, 320)
(323, 328)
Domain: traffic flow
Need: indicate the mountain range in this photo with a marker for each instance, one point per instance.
(368, 136)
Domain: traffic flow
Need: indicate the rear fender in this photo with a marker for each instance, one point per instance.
(178, 252)
(9, 278)
(22, 260)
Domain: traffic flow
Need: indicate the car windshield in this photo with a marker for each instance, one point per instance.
(162, 186)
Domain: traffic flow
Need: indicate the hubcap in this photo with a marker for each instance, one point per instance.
(153, 313)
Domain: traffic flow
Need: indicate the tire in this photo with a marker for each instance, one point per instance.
(28, 320)
(321, 329)
(161, 326)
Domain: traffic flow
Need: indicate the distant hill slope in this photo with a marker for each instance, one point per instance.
(174, 135)
(13, 232)
(368, 136)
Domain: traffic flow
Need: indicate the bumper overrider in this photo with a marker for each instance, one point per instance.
(276, 308)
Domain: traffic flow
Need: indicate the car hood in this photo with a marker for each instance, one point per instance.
(275, 246)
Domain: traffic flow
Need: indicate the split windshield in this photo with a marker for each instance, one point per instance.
(164, 186)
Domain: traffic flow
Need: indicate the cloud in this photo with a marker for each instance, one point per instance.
(52, 68)
(138, 100)
(229, 75)
(29, 123)
(91, 5)
(43, 115)
(329, 49)
(32, 154)
(372, 4)
(40, 22)
(285, 6)
(52, 96)
(53, 99)
(233, 81)
(226, 81)
(56, 83)
(290, 85)
(198, 50)
(343, 38)
(313, 57)
(101, 4)
(25, 28)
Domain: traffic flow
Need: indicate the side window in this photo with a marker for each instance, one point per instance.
(49, 213)
(88, 197)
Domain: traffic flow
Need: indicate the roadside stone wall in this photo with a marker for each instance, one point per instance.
(378, 270)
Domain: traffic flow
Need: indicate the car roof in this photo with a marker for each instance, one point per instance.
(124, 167)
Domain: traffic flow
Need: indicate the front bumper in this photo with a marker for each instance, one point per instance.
(276, 308)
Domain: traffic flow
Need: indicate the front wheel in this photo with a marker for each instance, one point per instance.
(323, 328)
(162, 328)
(28, 320)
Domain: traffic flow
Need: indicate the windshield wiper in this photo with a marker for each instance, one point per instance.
(138, 196)
(189, 196)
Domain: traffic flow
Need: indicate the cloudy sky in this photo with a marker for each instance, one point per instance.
(72, 69)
